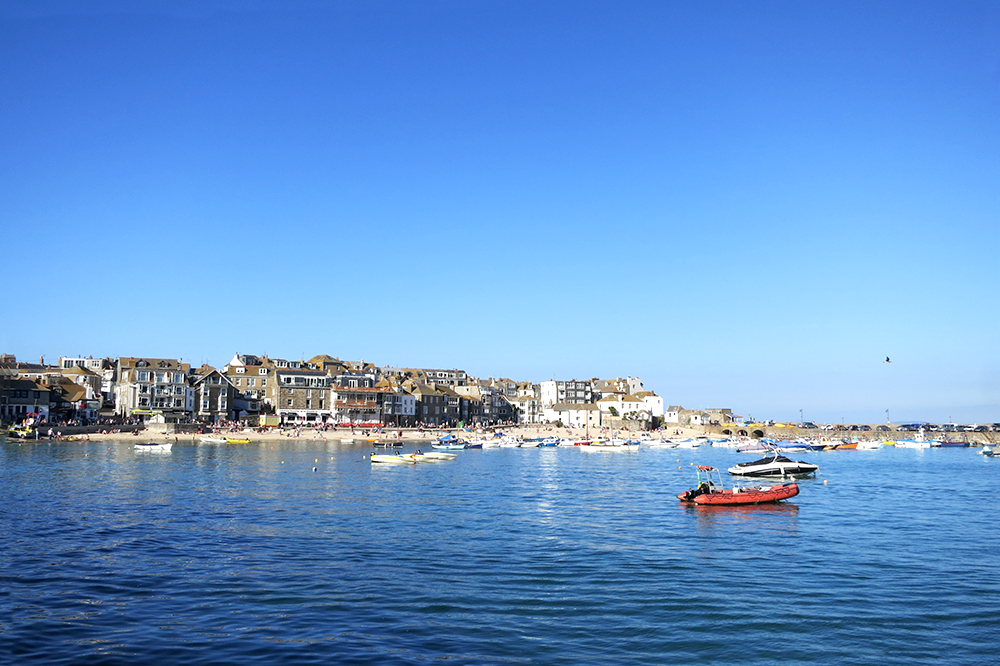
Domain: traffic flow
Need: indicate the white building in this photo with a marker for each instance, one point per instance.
(573, 416)
(528, 409)
(572, 392)
(154, 386)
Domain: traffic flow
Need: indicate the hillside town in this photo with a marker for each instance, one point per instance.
(258, 391)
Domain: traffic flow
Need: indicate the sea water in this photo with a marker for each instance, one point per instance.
(305, 552)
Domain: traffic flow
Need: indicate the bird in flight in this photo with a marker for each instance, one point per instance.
(887, 360)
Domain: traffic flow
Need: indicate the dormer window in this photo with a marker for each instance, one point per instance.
(240, 371)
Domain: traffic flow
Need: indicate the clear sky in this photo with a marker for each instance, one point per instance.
(748, 204)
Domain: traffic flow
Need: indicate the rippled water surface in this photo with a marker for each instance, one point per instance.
(244, 554)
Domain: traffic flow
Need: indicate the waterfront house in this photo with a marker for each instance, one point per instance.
(214, 395)
(358, 399)
(21, 399)
(573, 415)
(302, 396)
(153, 386)
(398, 407)
(570, 392)
(526, 409)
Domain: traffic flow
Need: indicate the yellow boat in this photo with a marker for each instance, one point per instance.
(235, 440)
(22, 431)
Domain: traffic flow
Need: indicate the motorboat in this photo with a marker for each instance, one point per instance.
(711, 492)
(774, 465)
(212, 440)
(237, 440)
(919, 441)
(439, 455)
(395, 459)
(756, 446)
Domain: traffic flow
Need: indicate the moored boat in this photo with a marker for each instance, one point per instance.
(395, 459)
(774, 465)
(711, 492)
(153, 446)
(237, 440)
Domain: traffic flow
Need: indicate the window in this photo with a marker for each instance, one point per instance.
(161, 377)
(251, 381)
(263, 381)
(240, 371)
(289, 402)
(238, 380)
(142, 376)
(178, 378)
(262, 371)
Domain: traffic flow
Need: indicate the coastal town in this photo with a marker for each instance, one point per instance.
(263, 392)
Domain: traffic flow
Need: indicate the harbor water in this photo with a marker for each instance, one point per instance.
(305, 552)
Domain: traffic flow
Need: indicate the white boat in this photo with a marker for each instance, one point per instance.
(212, 440)
(919, 441)
(395, 459)
(439, 455)
(774, 465)
(153, 446)
(660, 444)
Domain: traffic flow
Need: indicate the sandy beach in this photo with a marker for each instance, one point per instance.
(361, 434)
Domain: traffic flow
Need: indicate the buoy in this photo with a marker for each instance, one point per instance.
(317, 460)
(825, 482)
(314, 469)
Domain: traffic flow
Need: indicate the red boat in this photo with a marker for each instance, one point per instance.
(713, 493)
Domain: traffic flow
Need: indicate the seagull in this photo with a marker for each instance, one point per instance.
(887, 360)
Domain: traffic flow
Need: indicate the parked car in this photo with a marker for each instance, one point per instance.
(883, 428)
(809, 425)
(866, 428)
(829, 426)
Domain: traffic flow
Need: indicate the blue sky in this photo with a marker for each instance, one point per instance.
(749, 205)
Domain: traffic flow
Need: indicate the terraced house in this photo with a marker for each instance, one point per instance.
(213, 395)
(357, 398)
(149, 387)
(302, 396)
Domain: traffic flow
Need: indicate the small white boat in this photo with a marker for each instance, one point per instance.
(395, 459)
(212, 440)
(439, 455)
(153, 446)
